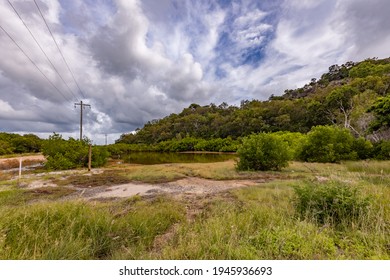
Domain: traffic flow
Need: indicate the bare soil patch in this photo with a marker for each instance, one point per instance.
(105, 185)
(189, 186)
(10, 163)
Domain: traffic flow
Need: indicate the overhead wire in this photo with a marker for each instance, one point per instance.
(36, 66)
(59, 50)
(40, 47)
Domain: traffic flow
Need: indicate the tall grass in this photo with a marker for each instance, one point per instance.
(259, 223)
(369, 167)
(332, 203)
(79, 230)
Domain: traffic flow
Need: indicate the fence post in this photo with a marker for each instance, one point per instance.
(20, 168)
(89, 157)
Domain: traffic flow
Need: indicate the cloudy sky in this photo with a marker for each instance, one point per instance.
(134, 61)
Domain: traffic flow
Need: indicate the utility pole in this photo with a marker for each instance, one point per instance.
(89, 157)
(106, 138)
(82, 105)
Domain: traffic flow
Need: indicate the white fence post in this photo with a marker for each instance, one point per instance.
(20, 168)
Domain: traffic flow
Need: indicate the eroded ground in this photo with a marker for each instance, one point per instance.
(89, 190)
(121, 181)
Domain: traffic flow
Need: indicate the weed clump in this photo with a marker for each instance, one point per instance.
(334, 203)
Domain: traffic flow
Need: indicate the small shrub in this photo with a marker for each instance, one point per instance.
(332, 203)
(264, 151)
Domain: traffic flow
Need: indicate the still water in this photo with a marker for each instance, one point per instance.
(159, 158)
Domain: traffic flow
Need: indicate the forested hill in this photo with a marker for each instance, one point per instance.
(353, 95)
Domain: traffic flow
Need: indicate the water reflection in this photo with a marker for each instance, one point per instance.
(160, 158)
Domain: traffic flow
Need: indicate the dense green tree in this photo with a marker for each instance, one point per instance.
(328, 144)
(381, 110)
(263, 151)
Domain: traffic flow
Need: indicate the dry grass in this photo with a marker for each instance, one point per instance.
(258, 222)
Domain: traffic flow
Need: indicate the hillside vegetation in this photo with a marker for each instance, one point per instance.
(354, 96)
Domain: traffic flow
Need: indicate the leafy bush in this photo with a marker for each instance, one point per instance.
(184, 145)
(217, 145)
(332, 203)
(381, 150)
(294, 140)
(328, 144)
(14, 143)
(99, 156)
(68, 154)
(264, 151)
(362, 147)
(5, 148)
(369, 68)
(59, 162)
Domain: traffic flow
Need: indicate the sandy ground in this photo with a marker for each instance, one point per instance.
(191, 186)
(187, 186)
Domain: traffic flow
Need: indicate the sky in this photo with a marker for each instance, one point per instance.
(135, 61)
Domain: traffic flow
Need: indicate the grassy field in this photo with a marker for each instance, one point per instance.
(305, 211)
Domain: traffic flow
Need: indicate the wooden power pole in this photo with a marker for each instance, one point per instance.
(89, 157)
(82, 105)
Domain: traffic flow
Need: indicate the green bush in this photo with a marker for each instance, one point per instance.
(217, 145)
(67, 154)
(328, 144)
(381, 150)
(362, 147)
(99, 156)
(59, 162)
(333, 203)
(294, 140)
(5, 148)
(14, 143)
(264, 151)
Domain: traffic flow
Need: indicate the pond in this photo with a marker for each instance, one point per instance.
(160, 158)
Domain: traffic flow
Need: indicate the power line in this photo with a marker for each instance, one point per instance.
(36, 66)
(36, 41)
(52, 36)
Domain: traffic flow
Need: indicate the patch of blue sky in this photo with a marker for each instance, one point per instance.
(220, 73)
(248, 52)
(252, 56)
(244, 38)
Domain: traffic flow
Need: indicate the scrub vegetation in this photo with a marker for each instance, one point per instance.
(303, 211)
